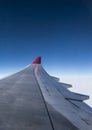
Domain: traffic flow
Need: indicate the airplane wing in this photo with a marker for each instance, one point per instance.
(33, 100)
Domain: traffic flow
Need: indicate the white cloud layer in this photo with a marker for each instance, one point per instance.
(80, 84)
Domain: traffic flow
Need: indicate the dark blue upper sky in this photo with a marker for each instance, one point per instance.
(58, 30)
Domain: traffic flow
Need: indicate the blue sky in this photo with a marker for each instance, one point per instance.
(60, 31)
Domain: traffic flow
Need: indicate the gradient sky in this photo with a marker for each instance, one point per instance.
(58, 30)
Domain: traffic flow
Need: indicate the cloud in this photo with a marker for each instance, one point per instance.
(3, 75)
(81, 84)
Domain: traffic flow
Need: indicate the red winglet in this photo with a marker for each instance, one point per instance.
(37, 60)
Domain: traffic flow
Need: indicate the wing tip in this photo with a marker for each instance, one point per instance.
(37, 60)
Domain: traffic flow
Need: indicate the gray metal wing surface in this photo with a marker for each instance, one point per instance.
(33, 100)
